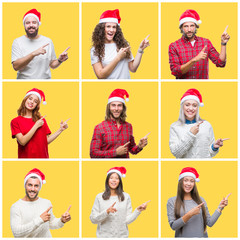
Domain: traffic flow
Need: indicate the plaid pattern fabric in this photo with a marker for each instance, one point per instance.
(107, 137)
(182, 51)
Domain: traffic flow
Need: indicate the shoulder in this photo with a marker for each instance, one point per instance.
(16, 40)
(207, 124)
(99, 196)
(176, 124)
(45, 202)
(101, 125)
(172, 200)
(204, 40)
(127, 124)
(46, 38)
(173, 44)
(16, 119)
(16, 205)
(92, 50)
(203, 200)
(126, 195)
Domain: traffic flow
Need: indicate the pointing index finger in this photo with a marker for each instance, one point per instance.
(113, 204)
(146, 38)
(147, 135)
(69, 208)
(66, 49)
(45, 45)
(126, 144)
(224, 139)
(226, 29)
(200, 205)
(49, 209)
(43, 117)
(228, 196)
(67, 119)
(199, 123)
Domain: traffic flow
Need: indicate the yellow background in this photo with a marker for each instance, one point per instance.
(61, 188)
(138, 20)
(220, 109)
(142, 112)
(215, 17)
(217, 180)
(60, 23)
(141, 183)
(62, 103)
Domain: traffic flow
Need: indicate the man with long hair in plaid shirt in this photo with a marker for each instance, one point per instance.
(113, 137)
(188, 56)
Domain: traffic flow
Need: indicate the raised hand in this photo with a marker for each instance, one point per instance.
(63, 56)
(145, 43)
(122, 149)
(112, 209)
(219, 142)
(40, 50)
(66, 217)
(143, 141)
(202, 55)
(196, 210)
(224, 201)
(40, 122)
(225, 37)
(195, 129)
(46, 215)
(122, 52)
(64, 125)
(143, 206)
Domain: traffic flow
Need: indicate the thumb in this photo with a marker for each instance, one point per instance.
(49, 209)
(126, 144)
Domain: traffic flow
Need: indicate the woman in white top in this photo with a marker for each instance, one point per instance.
(111, 57)
(112, 210)
(191, 136)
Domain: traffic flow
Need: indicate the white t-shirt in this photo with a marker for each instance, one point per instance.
(121, 71)
(25, 219)
(38, 68)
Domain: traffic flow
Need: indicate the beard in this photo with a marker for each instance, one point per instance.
(192, 36)
(32, 198)
(31, 35)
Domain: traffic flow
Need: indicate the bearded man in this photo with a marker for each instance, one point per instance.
(32, 54)
(188, 56)
(113, 138)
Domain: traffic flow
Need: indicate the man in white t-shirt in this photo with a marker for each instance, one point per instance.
(32, 216)
(32, 54)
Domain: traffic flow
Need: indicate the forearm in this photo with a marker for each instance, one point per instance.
(53, 136)
(55, 223)
(186, 217)
(104, 72)
(24, 139)
(97, 153)
(132, 217)
(186, 67)
(21, 63)
(55, 64)
(136, 62)
(97, 217)
(223, 53)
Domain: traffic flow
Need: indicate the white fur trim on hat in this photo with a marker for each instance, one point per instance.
(116, 171)
(116, 99)
(31, 15)
(189, 19)
(112, 20)
(188, 174)
(33, 92)
(192, 97)
(34, 175)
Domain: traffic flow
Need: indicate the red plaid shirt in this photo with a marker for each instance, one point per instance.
(107, 137)
(182, 51)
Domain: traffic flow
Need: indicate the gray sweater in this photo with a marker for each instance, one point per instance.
(194, 226)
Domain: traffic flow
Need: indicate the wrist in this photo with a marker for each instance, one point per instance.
(140, 50)
(60, 61)
(223, 43)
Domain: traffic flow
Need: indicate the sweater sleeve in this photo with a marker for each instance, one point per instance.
(131, 216)
(179, 147)
(174, 223)
(211, 220)
(54, 222)
(19, 229)
(97, 216)
(133, 148)
(212, 140)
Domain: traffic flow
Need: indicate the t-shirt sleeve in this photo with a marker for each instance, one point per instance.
(15, 127)
(16, 51)
(94, 58)
(48, 131)
(131, 58)
(53, 54)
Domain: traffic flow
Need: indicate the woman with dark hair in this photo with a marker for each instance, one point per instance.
(112, 210)
(191, 136)
(31, 129)
(188, 213)
(110, 55)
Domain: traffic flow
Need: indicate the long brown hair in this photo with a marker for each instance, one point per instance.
(35, 113)
(180, 204)
(123, 115)
(119, 190)
(98, 41)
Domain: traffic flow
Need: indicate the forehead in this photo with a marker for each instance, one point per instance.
(189, 179)
(188, 24)
(191, 102)
(31, 19)
(110, 24)
(33, 96)
(116, 103)
(33, 181)
(114, 175)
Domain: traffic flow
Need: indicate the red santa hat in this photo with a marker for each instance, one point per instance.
(39, 93)
(118, 96)
(189, 172)
(192, 94)
(33, 13)
(35, 173)
(110, 16)
(121, 171)
(190, 16)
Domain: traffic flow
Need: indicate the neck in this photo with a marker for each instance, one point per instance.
(113, 192)
(33, 37)
(187, 196)
(118, 121)
(28, 114)
(26, 198)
